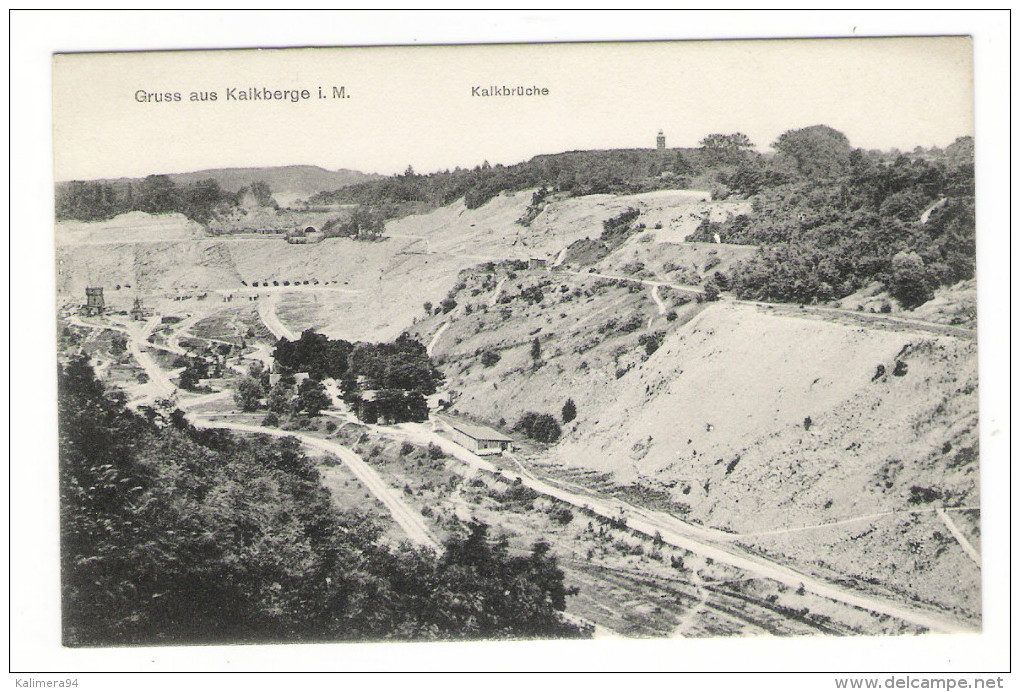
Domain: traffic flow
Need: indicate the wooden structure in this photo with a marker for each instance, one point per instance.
(480, 439)
(94, 301)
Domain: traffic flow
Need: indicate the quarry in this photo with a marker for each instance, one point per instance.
(731, 467)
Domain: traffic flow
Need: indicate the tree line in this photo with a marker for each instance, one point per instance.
(155, 194)
(576, 173)
(174, 535)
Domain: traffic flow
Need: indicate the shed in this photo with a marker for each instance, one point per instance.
(480, 439)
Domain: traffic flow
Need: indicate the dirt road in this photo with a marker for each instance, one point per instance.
(688, 537)
(267, 313)
(495, 293)
(435, 338)
(408, 519)
(972, 553)
(866, 319)
(646, 282)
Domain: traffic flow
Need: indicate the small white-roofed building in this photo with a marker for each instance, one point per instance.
(480, 439)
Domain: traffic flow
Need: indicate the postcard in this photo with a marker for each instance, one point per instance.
(661, 340)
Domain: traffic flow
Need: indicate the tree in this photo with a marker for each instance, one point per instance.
(158, 194)
(312, 397)
(248, 394)
(280, 398)
(720, 148)
(540, 427)
(199, 201)
(961, 152)
(818, 150)
(536, 350)
(569, 411)
(737, 141)
(711, 291)
(262, 193)
(909, 282)
(173, 535)
(196, 370)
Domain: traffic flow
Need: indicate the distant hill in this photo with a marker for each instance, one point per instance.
(302, 181)
(287, 183)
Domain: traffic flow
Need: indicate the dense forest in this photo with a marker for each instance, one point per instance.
(172, 535)
(829, 220)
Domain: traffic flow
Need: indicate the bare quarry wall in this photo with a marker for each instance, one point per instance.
(761, 420)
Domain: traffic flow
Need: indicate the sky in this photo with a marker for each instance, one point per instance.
(414, 105)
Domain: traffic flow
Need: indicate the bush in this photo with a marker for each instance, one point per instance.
(406, 448)
(921, 495)
(711, 292)
(540, 427)
(436, 452)
(561, 515)
(271, 420)
(490, 358)
(651, 342)
(569, 411)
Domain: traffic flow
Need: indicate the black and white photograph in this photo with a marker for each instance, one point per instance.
(656, 341)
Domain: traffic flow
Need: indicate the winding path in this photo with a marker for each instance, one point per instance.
(968, 548)
(267, 313)
(435, 339)
(647, 282)
(680, 534)
(408, 519)
(495, 293)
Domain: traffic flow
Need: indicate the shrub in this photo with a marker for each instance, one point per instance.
(569, 411)
(406, 448)
(271, 420)
(330, 426)
(436, 452)
(540, 427)
(633, 323)
(561, 515)
(921, 495)
(651, 342)
(490, 358)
